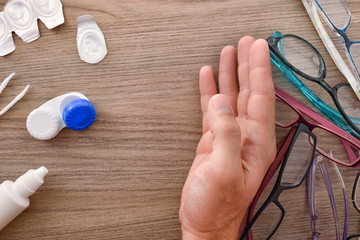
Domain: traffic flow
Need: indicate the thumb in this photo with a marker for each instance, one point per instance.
(225, 130)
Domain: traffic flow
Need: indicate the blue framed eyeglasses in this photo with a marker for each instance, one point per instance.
(338, 16)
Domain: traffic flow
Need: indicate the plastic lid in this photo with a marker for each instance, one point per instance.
(79, 114)
(42, 125)
(90, 40)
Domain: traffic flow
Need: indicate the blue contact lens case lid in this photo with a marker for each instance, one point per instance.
(79, 114)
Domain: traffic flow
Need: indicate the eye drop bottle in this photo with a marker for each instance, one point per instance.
(14, 196)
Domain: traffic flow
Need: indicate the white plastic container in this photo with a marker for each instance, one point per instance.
(14, 196)
(73, 110)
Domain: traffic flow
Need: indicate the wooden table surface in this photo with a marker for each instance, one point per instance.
(122, 178)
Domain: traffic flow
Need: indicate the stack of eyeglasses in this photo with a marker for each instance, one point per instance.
(293, 54)
(308, 132)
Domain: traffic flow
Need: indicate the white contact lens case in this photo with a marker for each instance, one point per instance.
(90, 40)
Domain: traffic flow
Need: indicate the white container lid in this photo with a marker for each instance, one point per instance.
(90, 40)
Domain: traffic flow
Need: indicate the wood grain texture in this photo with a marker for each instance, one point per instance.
(122, 178)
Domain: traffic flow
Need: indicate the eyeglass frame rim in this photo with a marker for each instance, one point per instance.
(354, 192)
(328, 19)
(332, 91)
(278, 187)
(322, 67)
(353, 236)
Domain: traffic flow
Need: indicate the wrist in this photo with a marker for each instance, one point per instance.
(219, 235)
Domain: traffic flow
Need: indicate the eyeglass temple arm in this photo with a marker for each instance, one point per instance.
(325, 174)
(346, 201)
(310, 194)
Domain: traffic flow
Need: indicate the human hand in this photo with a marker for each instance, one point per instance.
(238, 143)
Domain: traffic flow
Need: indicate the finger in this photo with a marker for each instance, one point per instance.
(243, 74)
(261, 105)
(226, 134)
(205, 144)
(227, 75)
(208, 89)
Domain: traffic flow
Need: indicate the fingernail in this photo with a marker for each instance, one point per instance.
(221, 104)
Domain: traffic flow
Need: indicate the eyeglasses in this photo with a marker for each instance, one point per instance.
(330, 112)
(310, 189)
(344, 147)
(338, 16)
(292, 50)
(288, 154)
(355, 196)
(335, 55)
(292, 173)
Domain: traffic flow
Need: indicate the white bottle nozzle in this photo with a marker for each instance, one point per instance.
(28, 183)
(41, 172)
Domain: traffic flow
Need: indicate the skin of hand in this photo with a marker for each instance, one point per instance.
(238, 143)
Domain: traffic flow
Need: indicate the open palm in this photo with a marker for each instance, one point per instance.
(238, 143)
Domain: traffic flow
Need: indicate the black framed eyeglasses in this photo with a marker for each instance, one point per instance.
(305, 60)
(299, 141)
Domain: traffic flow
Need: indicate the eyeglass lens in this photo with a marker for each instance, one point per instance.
(262, 228)
(285, 115)
(337, 11)
(357, 194)
(355, 53)
(284, 121)
(300, 55)
(348, 101)
(332, 147)
(298, 160)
